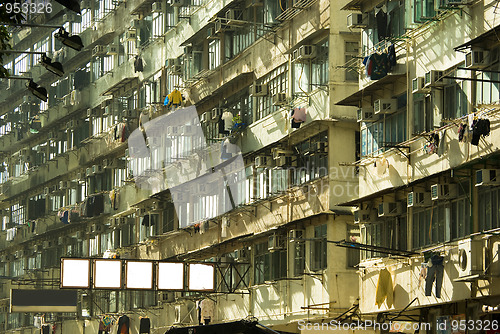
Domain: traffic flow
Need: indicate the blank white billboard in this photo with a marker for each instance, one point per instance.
(170, 276)
(201, 277)
(75, 273)
(139, 275)
(107, 274)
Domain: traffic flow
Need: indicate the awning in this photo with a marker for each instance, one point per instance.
(484, 41)
(122, 86)
(236, 327)
(355, 99)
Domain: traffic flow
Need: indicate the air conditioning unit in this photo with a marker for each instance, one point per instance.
(113, 50)
(234, 16)
(175, 69)
(385, 106)
(443, 191)
(157, 7)
(37, 248)
(487, 177)
(304, 52)
(179, 197)
(131, 35)
(276, 242)
(355, 20)
(176, 3)
(202, 188)
(262, 162)
(73, 124)
(417, 85)
(79, 235)
(173, 130)
(278, 152)
(88, 172)
(215, 113)
(97, 169)
(296, 235)
(167, 297)
(62, 241)
(389, 209)
(470, 257)
(418, 199)
(204, 117)
(212, 33)
(92, 112)
(46, 191)
(63, 185)
(72, 18)
(47, 244)
(66, 101)
(220, 27)
(363, 215)
(241, 255)
(258, 90)
(433, 78)
(99, 50)
(366, 115)
(279, 99)
(284, 160)
(188, 130)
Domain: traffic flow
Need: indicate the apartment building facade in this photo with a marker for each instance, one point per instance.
(170, 137)
(427, 173)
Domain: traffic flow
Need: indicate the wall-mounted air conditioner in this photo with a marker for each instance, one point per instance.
(188, 130)
(175, 70)
(443, 191)
(241, 255)
(73, 124)
(366, 115)
(99, 50)
(215, 113)
(258, 90)
(418, 199)
(176, 3)
(276, 242)
(470, 257)
(433, 78)
(88, 172)
(131, 35)
(296, 235)
(285, 161)
(262, 161)
(355, 20)
(304, 52)
(279, 99)
(72, 18)
(97, 169)
(487, 177)
(476, 59)
(113, 50)
(184, 313)
(173, 130)
(417, 85)
(385, 106)
(364, 215)
(389, 209)
(157, 7)
(179, 197)
(92, 112)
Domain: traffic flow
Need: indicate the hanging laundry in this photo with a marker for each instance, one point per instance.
(207, 310)
(379, 64)
(461, 131)
(391, 55)
(143, 118)
(385, 289)
(480, 127)
(138, 64)
(423, 274)
(103, 327)
(227, 118)
(175, 98)
(435, 272)
(123, 325)
(298, 116)
(145, 325)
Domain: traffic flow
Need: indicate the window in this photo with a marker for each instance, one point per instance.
(486, 92)
(268, 265)
(311, 162)
(277, 82)
(391, 233)
(423, 113)
(18, 215)
(351, 52)
(214, 54)
(299, 257)
(423, 10)
(319, 248)
(489, 208)
(158, 25)
(455, 96)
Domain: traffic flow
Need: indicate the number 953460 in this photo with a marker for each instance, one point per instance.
(28, 7)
